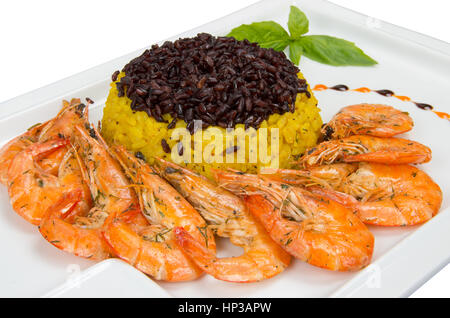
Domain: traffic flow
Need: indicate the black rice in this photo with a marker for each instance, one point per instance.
(218, 80)
(165, 146)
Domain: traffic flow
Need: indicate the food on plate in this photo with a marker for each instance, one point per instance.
(223, 82)
(105, 201)
(228, 216)
(310, 227)
(137, 190)
(151, 247)
(389, 195)
(367, 119)
(367, 148)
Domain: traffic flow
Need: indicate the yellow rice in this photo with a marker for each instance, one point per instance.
(139, 132)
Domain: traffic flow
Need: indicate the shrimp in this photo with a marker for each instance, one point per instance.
(62, 125)
(310, 227)
(153, 249)
(31, 189)
(82, 234)
(367, 119)
(16, 145)
(64, 235)
(229, 217)
(389, 195)
(36, 156)
(369, 149)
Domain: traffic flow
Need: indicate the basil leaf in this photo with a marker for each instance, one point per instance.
(298, 23)
(334, 51)
(267, 34)
(295, 51)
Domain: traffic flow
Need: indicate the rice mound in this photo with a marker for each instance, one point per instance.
(139, 132)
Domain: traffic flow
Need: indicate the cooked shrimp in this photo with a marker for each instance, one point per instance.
(108, 184)
(367, 119)
(16, 145)
(153, 249)
(229, 217)
(366, 148)
(110, 189)
(63, 125)
(31, 189)
(389, 195)
(44, 150)
(64, 235)
(308, 226)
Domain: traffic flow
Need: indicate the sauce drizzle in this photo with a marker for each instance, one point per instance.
(382, 92)
(341, 88)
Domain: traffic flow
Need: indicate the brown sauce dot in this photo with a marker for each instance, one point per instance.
(385, 92)
(424, 106)
(340, 87)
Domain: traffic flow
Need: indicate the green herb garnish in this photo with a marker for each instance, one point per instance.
(320, 48)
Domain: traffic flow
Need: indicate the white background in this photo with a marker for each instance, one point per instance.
(45, 41)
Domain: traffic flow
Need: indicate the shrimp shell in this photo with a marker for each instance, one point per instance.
(367, 119)
(308, 226)
(368, 149)
(388, 195)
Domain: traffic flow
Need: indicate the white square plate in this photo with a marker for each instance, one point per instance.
(409, 63)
